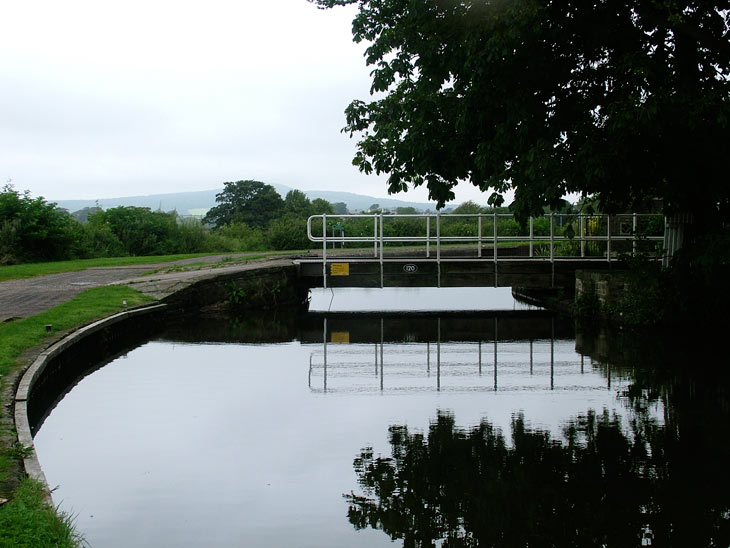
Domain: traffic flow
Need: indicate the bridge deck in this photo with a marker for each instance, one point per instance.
(481, 249)
(391, 271)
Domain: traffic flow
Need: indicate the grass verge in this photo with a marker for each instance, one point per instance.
(19, 335)
(13, 272)
(30, 270)
(27, 520)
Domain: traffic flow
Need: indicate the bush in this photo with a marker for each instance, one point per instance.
(32, 229)
(241, 237)
(289, 232)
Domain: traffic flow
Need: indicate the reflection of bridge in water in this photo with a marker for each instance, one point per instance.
(514, 351)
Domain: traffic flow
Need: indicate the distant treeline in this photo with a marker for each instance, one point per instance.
(34, 230)
(249, 216)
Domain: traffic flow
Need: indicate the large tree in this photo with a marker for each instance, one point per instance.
(251, 202)
(621, 99)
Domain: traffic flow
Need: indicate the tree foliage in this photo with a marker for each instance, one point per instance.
(32, 229)
(251, 202)
(623, 100)
(297, 203)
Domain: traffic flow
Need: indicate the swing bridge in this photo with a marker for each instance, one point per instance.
(472, 250)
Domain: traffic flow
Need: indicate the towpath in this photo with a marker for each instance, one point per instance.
(26, 297)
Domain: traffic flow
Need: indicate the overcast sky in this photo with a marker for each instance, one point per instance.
(102, 99)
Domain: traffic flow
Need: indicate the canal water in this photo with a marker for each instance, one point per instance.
(472, 422)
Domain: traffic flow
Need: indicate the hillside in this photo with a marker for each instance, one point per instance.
(196, 203)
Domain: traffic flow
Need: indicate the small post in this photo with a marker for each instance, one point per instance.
(532, 236)
(582, 236)
(608, 239)
(49, 328)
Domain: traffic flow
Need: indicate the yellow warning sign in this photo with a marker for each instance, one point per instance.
(342, 337)
(340, 269)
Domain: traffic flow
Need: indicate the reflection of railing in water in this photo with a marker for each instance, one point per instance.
(480, 365)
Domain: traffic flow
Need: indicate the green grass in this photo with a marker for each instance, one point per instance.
(16, 336)
(29, 521)
(30, 270)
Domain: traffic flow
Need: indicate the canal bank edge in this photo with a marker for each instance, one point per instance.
(35, 370)
(259, 285)
(597, 295)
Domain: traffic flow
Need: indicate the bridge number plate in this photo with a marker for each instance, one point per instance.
(340, 269)
(410, 268)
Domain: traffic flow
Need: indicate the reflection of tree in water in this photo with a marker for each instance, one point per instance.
(598, 486)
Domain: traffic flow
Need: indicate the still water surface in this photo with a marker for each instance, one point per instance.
(368, 430)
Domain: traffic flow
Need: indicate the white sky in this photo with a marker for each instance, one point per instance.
(108, 99)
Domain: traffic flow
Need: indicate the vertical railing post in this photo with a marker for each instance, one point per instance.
(634, 229)
(324, 250)
(479, 234)
(428, 235)
(381, 253)
(375, 236)
(582, 229)
(495, 239)
(438, 249)
(532, 236)
(552, 238)
(608, 240)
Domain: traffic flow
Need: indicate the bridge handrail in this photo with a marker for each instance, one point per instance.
(486, 237)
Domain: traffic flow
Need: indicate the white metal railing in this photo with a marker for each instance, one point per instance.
(590, 237)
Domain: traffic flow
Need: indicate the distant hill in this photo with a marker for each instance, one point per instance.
(196, 203)
(361, 202)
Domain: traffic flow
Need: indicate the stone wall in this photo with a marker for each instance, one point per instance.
(263, 288)
(608, 286)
